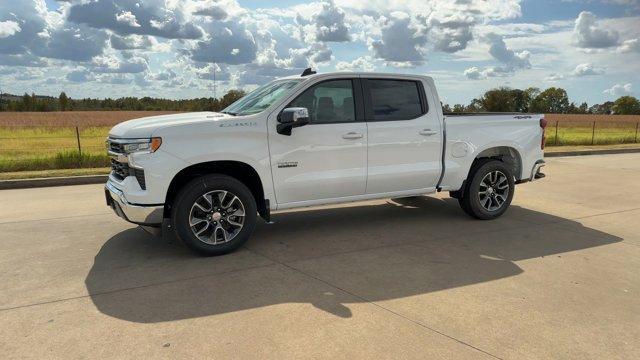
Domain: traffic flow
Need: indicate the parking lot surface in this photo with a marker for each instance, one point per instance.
(558, 276)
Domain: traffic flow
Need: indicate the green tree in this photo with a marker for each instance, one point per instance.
(498, 100)
(458, 108)
(530, 94)
(551, 101)
(602, 109)
(229, 98)
(626, 105)
(63, 101)
(584, 108)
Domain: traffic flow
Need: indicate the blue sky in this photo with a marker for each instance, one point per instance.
(172, 48)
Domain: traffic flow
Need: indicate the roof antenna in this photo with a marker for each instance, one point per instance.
(307, 71)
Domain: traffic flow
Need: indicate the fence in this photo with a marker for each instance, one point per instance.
(592, 132)
(24, 148)
(44, 147)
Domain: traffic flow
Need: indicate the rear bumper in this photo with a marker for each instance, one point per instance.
(536, 172)
(149, 215)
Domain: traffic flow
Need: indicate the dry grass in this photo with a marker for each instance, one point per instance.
(73, 118)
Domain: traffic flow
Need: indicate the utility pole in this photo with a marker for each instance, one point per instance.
(214, 80)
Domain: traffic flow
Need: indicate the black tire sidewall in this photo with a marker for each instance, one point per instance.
(196, 188)
(472, 203)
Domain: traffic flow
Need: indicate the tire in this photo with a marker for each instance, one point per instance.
(489, 191)
(214, 215)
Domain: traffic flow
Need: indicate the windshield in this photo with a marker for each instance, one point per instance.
(261, 98)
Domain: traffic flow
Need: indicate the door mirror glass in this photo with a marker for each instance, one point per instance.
(292, 117)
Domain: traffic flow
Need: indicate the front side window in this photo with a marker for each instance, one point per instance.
(261, 98)
(328, 102)
(395, 99)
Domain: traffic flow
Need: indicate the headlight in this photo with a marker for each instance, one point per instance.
(141, 145)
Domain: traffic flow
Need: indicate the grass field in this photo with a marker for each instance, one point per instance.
(48, 141)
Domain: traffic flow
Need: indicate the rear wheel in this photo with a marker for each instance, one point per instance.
(214, 214)
(489, 191)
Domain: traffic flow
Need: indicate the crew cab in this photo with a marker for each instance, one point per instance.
(311, 140)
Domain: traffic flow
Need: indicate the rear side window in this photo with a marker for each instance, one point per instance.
(395, 99)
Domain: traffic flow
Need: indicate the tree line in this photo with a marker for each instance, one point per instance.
(34, 102)
(550, 101)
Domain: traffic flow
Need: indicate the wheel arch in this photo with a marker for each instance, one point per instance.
(507, 154)
(239, 170)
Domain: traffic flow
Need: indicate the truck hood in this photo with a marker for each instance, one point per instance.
(145, 127)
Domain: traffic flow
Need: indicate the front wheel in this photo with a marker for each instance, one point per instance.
(214, 215)
(489, 191)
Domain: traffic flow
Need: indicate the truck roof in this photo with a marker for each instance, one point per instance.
(358, 73)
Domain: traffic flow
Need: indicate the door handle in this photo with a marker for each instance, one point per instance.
(352, 135)
(428, 132)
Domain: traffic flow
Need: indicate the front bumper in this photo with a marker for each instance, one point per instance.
(149, 215)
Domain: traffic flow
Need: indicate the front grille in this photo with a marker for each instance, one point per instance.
(119, 170)
(122, 170)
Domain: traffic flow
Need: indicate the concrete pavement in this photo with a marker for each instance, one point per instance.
(557, 277)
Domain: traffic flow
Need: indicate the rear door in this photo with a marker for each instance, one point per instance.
(404, 136)
(327, 158)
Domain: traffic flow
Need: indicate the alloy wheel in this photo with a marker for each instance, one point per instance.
(494, 190)
(217, 217)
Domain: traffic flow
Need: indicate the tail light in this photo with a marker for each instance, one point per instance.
(543, 125)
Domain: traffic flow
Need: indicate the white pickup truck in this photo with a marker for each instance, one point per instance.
(310, 140)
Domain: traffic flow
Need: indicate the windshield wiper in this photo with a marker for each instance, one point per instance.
(229, 113)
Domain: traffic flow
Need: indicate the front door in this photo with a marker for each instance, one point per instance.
(328, 157)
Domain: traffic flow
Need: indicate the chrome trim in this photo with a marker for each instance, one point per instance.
(536, 168)
(128, 141)
(119, 157)
(137, 214)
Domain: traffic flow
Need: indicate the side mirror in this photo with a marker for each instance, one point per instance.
(291, 118)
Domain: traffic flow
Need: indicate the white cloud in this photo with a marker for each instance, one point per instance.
(112, 64)
(212, 9)
(451, 34)
(8, 28)
(402, 40)
(474, 73)
(554, 77)
(589, 35)
(79, 76)
(364, 63)
(127, 18)
(619, 90)
(228, 42)
(330, 24)
(587, 69)
(631, 45)
(151, 17)
(511, 61)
